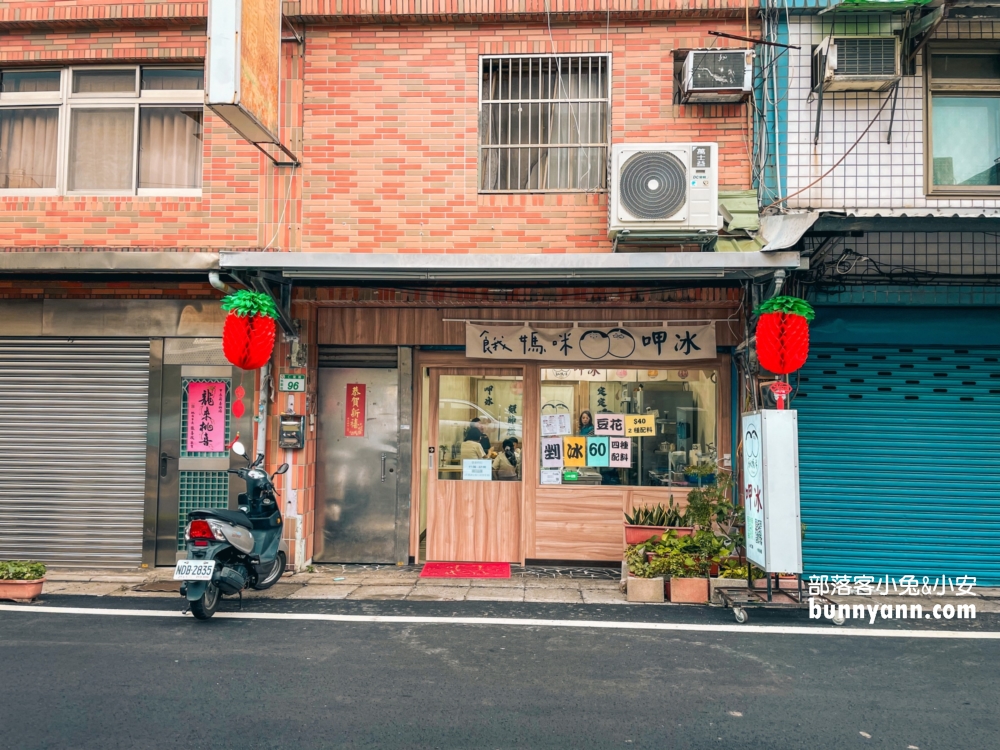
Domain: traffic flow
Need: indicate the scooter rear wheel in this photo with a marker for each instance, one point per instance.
(205, 606)
(274, 575)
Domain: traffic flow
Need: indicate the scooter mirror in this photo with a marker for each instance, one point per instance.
(281, 469)
(239, 450)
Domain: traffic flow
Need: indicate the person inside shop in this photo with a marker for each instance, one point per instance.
(484, 439)
(472, 447)
(506, 467)
(586, 424)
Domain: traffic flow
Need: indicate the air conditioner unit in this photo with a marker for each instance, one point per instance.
(856, 63)
(659, 188)
(717, 75)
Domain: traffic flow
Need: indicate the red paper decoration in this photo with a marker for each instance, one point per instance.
(238, 409)
(782, 342)
(247, 341)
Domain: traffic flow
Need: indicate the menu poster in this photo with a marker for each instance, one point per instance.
(640, 425)
(574, 451)
(597, 451)
(620, 453)
(556, 424)
(477, 470)
(552, 453)
(609, 424)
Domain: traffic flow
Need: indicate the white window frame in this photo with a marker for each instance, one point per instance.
(481, 148)
(66, 101)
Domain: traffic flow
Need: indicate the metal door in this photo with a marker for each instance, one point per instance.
(190, 478)
(357, 475)
(899, 454)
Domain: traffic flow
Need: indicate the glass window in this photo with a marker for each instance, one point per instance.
(479, 428)
(966, 139)
(544, 123)
(28, 81)
(968, 67)
(681, 410)
(100, 149)
(104, 81)
(28, 145)
(170, 145)
(176, 79)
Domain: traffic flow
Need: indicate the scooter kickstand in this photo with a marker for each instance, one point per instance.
(241, 600)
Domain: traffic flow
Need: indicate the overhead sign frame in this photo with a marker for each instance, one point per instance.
(243, 71)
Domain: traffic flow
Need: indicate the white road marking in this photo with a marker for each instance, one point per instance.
(524, 622)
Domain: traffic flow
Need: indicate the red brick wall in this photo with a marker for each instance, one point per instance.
(391, 134)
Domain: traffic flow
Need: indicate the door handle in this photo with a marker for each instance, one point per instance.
(383, 467)
(163, 463)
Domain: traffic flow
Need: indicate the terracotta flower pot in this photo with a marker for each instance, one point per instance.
(21, 591)
(640, 534)
(648, 590)
(689, 590)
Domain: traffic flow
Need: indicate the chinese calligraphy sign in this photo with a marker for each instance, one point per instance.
(206, 417)
(586, 343)
(354, 410)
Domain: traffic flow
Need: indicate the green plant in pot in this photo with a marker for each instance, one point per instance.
(647, 576)
(701, 473)
(689, 560)
(21, 580)
(710, 509)
(646, 521)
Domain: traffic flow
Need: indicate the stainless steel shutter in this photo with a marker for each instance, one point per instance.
(899, 454)
(73, 450)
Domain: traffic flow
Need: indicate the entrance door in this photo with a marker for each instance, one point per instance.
(356, 467)
(474, 491)
(196, 426)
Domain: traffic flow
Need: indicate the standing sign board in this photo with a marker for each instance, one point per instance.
(770, 490)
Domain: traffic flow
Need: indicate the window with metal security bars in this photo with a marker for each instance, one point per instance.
(199, 489)
(544, 123)
(184, 418)
(866, 56)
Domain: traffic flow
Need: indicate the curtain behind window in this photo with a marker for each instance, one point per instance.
(28, 139)
(100, 149)
(170, 147)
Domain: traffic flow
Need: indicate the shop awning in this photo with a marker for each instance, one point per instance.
(875, 6)
(495, 267)
(87, 260)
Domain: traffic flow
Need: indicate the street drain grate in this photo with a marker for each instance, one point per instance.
(159, 586)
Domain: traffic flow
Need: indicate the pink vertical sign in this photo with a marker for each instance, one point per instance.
(206, 417)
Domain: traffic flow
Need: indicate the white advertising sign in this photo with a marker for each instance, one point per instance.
(669, 342)
(477, 470)
(552, 453)
(621, 452)
(609, 424)
(753, 489)
(551, 476)
(556, 424)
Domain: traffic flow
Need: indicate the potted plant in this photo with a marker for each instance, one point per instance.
(21, 580)
(701, 473)
(688, 560)
(646, 522)
(647, 578)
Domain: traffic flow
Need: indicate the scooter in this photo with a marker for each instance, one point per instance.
(233, 550)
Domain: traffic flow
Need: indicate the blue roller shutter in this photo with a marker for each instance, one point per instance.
(900, 461)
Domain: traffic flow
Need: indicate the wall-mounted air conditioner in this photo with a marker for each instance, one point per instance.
(664, 188)
(717, 75)
(856, 63)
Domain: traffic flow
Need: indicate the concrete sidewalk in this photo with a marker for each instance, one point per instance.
(385, 582)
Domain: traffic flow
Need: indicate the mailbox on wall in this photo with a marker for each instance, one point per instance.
(291, 431)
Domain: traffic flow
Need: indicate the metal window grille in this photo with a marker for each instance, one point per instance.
(544, 123)
(199, 489)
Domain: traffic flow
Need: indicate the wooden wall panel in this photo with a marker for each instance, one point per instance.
(474, 522)
(578, 523)
(424, 326)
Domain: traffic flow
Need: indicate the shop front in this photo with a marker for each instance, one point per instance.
(514, 434)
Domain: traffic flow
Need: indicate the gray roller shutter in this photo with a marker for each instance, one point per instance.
(73, 450)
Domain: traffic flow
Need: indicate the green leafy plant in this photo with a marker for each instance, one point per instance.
(787, 305)
(684, 556)
(702, 469)
(244, 303)
(642, 567)
(657, 515)
(709, 508)
(21, 570)
(734, 569)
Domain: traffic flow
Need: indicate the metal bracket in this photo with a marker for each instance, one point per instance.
(294, 160)
(278, 289)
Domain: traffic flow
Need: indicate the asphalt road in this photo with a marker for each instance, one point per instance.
(124, 681)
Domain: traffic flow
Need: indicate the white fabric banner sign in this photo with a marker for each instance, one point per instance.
(670, 342)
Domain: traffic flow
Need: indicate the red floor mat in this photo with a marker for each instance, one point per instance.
(465, 570)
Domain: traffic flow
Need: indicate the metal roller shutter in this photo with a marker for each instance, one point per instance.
(73, 450)
(899, 452)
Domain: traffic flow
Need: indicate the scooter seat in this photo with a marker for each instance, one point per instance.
(235, 517)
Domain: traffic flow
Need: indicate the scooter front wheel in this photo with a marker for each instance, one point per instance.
(274, 574)
(205, 606)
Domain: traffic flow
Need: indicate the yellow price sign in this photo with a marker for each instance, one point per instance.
(574, 451)
(640, 425)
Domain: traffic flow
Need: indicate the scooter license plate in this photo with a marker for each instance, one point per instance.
(194, 570)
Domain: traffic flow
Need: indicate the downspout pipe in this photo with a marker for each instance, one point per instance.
(218, 283)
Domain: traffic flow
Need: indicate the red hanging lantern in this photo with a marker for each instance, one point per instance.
(783, 334)
(248, 333)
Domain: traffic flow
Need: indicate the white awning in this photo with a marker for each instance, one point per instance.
(596, 267)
